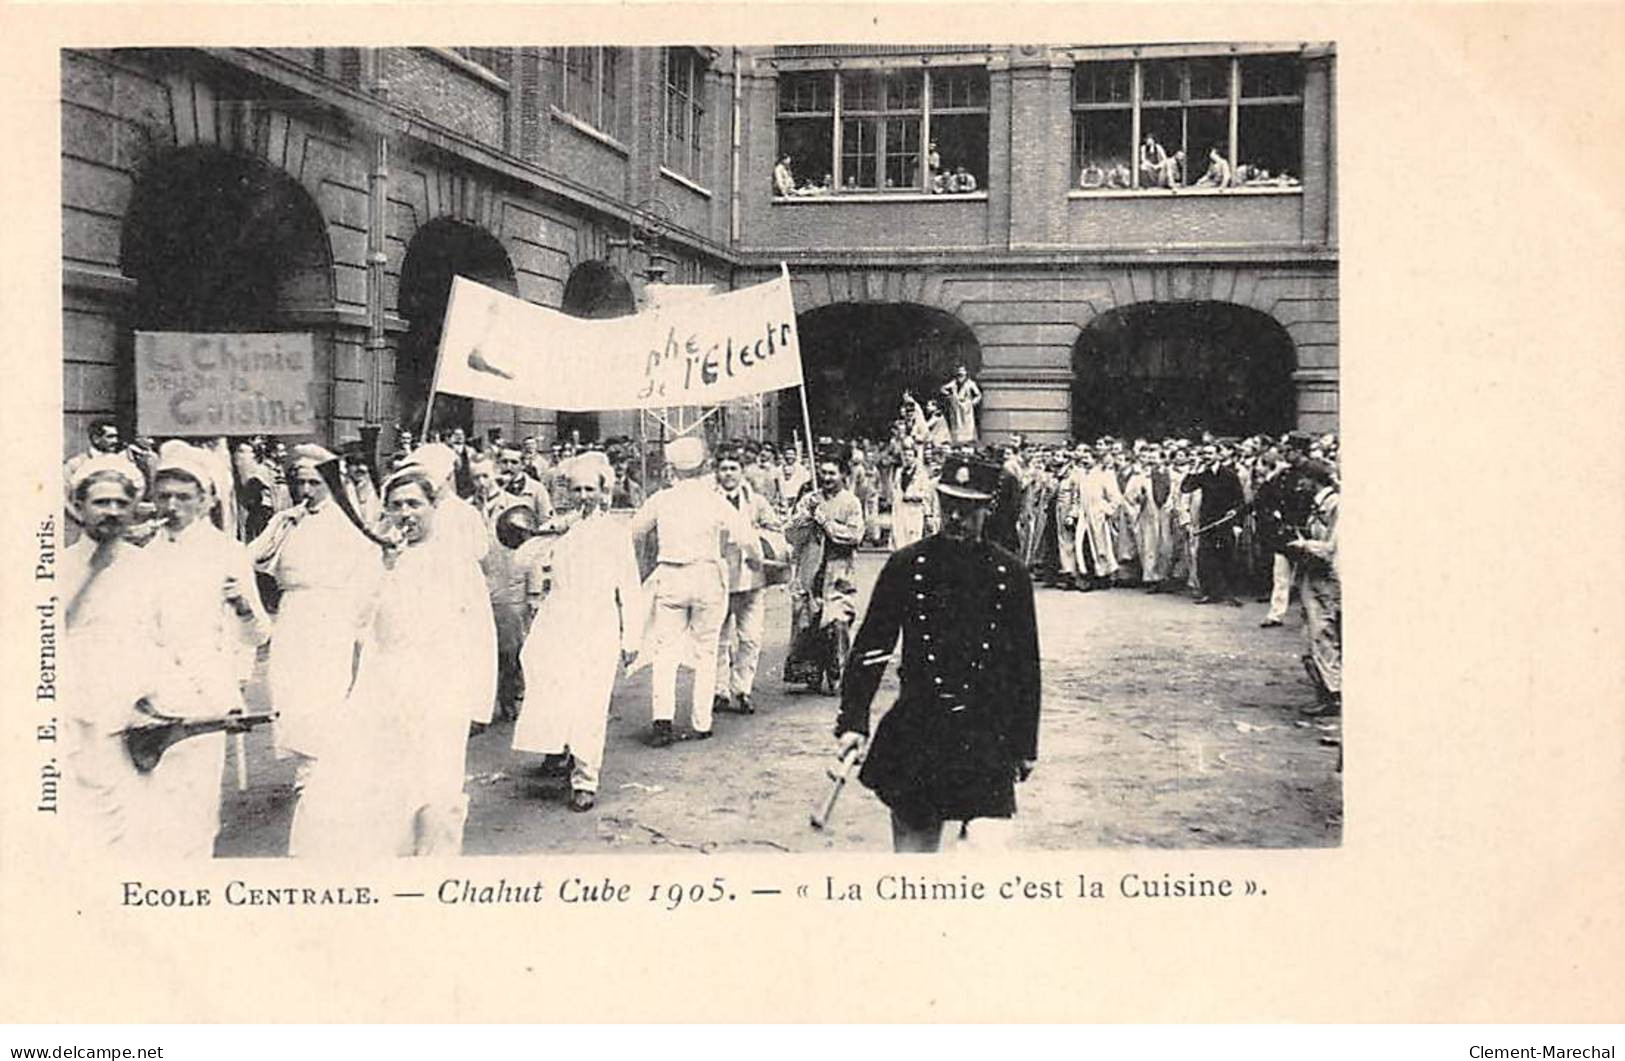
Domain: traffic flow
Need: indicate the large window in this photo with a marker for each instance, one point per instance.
(1216, 122)
(685, 112)
(588, 88)
(889, 130)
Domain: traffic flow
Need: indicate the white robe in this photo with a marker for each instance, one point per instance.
(215, 649)
(592, 613)
(389, 775)
(909, 504)
(113, 655)
(327, 571)
(1098, 502)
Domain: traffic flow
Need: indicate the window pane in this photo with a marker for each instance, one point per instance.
(799, 93)
(1103, 83)
(1271, 75)
(902, 152)
(1161, 80)
(1269, 139)
(961, 140)
(959, 87)
(858, 143)
(1103, 148)
(810, 144)
(1205, 127)
(1210, 79)
(903, 89)
(860, 92)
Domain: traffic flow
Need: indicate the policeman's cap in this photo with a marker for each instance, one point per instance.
(967, 478)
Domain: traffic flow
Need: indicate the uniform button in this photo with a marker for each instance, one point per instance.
(919, 560)
(919, 577)
(1001, 584)
(937, 680)
(1001, 570)
(925, 637)
(985, 645)
(931, 657)
(919, 596)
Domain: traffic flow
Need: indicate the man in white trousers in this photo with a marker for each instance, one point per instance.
(740, 649)
(693, 526)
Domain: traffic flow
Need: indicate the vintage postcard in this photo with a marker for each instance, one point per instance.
(519, 518)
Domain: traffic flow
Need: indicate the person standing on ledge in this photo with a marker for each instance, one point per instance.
(963, 396)
(964, 729)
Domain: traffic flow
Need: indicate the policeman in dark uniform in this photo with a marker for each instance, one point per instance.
(965, 728)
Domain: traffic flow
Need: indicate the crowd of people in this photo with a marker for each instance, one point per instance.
(465, 583)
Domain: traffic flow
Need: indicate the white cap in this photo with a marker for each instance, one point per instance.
(188, 460)
(685, 454)
(436, 459)
(108, 463)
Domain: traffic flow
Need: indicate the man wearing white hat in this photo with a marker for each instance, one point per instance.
(210, 618)
(693, 526)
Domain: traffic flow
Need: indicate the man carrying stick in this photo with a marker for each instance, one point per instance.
(964, 729)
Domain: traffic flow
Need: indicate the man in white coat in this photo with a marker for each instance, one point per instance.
(740, 649)
(692, 526)
(1098, 503)
(113, 645)
(210, 615)
(1150, 497)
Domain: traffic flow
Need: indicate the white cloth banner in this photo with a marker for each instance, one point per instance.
(693, 351)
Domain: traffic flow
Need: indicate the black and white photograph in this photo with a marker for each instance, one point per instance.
(704, 448)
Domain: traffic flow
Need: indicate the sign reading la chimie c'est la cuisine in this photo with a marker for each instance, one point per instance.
(224, 383)
(689, 351)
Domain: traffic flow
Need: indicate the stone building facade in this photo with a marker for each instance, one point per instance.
(335, 191)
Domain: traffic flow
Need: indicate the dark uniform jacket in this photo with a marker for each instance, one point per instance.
(1221, 492)
(967, 715)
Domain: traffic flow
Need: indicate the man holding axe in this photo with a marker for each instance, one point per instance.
(964, 729)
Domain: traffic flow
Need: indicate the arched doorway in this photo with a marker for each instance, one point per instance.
(219, 242)
(596, 290)
(439, 251)
(859, 357)
(1157, 368)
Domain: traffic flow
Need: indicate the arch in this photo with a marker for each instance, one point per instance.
(222, 241)
(439, 251)
(859, 357)
(217, 241)
(596, 289)
(1171, 368)
(828, 287)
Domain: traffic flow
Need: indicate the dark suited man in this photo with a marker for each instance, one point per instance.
(1221, 507)
(964, 729)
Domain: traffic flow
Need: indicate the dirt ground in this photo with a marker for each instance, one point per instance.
(1164, 725)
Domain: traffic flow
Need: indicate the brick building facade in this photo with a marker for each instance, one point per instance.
(335, 191)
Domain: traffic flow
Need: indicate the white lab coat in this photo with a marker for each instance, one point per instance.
(327, 572)
(592, 613)
(389, 773)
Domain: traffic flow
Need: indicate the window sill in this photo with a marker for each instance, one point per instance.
(592, 132)
(673, 175)
(468, 66)
(881, 197)
(1169, 193)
